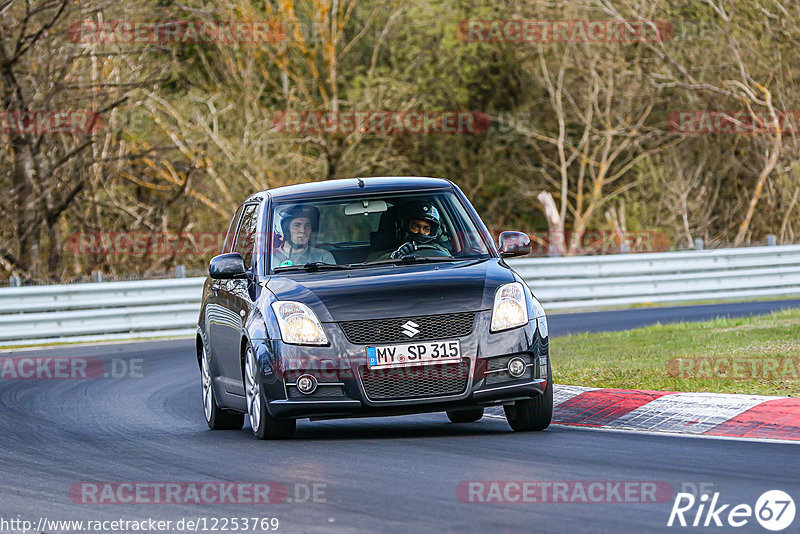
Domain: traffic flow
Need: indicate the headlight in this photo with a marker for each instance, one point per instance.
(510, 309)
(298, 323)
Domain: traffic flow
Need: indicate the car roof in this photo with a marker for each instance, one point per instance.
(351, 186)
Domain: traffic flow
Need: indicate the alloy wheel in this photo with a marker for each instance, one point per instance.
(208, 396)
(253, 390)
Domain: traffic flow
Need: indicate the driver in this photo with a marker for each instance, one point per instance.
(299, 224)
(419, 226)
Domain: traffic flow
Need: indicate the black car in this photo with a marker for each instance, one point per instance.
(368, 297)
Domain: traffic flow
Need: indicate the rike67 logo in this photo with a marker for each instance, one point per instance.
(774, 510)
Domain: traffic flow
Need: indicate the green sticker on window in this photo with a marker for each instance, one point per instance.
(286, 263)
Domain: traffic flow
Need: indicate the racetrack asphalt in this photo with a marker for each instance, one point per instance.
(614, 320)
(398, 474)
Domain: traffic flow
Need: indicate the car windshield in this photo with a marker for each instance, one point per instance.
(383, 230)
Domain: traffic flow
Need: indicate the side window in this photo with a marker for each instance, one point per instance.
(228, 247)
(245, 236)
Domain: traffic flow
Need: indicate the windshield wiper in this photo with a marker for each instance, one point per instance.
(414, 258)
(311, 267)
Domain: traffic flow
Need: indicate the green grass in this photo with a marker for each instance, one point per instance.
(638, 359)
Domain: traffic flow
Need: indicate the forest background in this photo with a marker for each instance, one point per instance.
(166, 134)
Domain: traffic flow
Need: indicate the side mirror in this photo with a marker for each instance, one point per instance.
(514, 244)
(227, 266)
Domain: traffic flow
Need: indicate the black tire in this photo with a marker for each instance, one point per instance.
(465, 416)
(216, 417)
(271, 428)
(532, 414)
(222, 420)
(264, 426)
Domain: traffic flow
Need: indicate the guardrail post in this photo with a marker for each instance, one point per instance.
(97, 276)
(14, 281)
(698, 243)
(771, 240)
(180, 271)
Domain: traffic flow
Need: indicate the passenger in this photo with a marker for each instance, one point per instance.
(299, 225)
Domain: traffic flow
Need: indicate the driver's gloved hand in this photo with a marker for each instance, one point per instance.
(405, 249)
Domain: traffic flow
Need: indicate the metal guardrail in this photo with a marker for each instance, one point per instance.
(96, 312)
(627, 279)
(154, 308)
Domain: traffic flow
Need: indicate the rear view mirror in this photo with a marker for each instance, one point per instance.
(227, 267)
(365, 207)
(514, 244)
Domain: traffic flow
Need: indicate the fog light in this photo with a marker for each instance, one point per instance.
(306, 384)
(516, 367)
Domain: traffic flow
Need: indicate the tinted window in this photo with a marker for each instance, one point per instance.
(245, 237)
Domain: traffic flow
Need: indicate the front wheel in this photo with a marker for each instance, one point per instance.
(263, 424)
(465, 416)
(216, 417)
(535, 413)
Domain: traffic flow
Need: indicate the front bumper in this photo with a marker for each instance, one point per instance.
(323, 409)
(342, 392)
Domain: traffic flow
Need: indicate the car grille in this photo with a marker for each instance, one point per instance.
(322, 392)
(391, 330)
(416, 382)
(501, 362)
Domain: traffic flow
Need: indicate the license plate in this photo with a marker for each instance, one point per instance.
(413, 354)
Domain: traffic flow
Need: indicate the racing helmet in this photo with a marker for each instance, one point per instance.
(294, 212)
(419, 210)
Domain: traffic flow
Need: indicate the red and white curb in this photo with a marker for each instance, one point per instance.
(707, 414)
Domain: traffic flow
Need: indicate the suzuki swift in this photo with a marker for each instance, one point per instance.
(368, 297)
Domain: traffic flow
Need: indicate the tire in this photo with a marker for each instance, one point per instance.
(264, 426)
(532, 414)
(216, 417)
(465, 416)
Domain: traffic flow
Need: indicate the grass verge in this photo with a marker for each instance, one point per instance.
(753, 355)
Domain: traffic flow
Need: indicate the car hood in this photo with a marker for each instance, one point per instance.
(396, 290)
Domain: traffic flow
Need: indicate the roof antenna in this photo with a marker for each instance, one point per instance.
(360, 182)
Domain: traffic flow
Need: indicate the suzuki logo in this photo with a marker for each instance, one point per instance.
(410, 328)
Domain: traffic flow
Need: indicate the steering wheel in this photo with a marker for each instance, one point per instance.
(430, 251)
